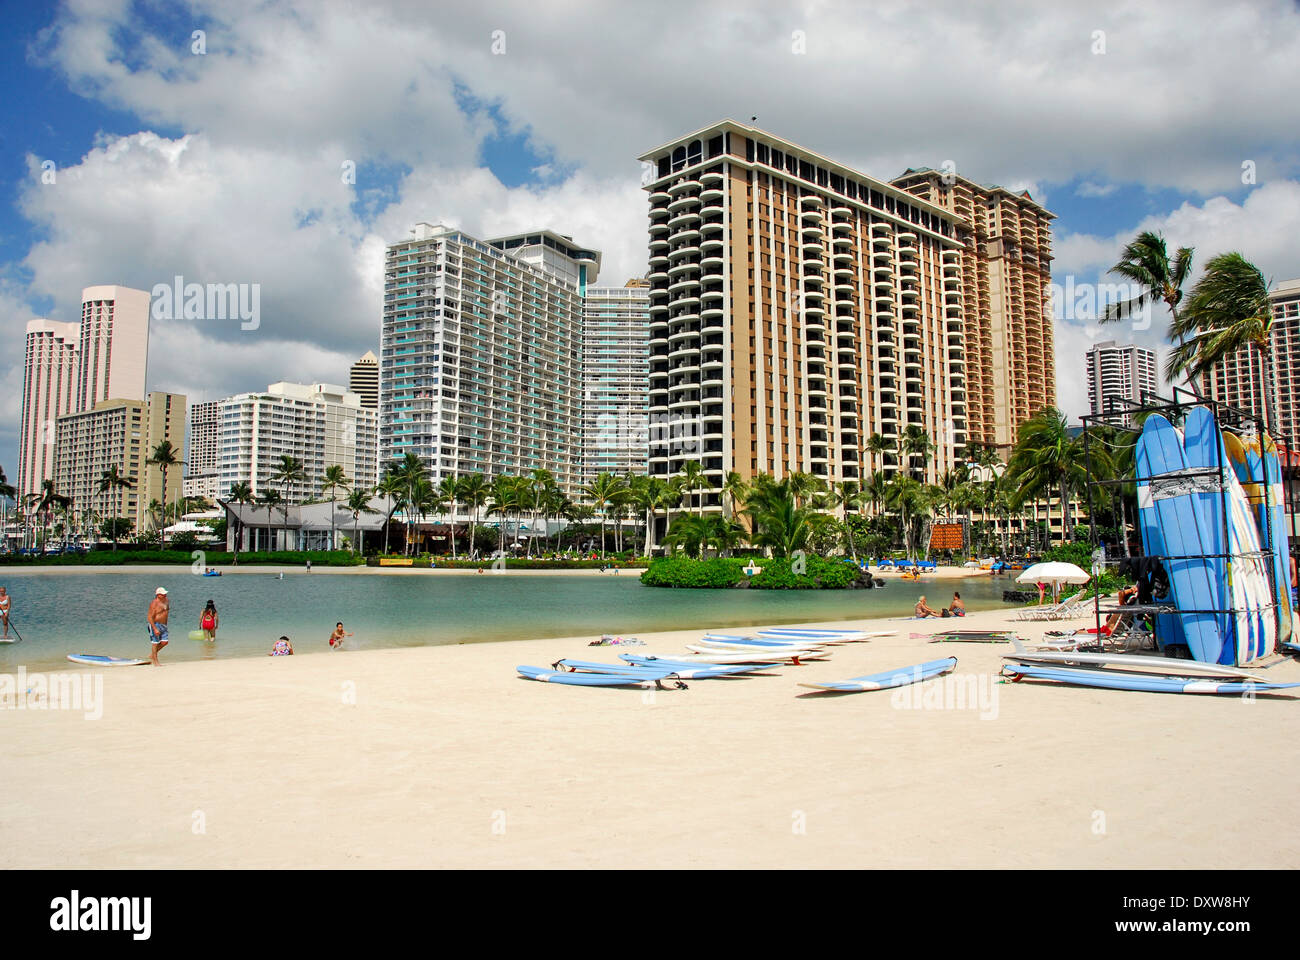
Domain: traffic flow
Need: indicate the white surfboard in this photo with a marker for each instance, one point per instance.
(1167, 666)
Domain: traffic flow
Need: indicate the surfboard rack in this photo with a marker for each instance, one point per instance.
(1125, 415)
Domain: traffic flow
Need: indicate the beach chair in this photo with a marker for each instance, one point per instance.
(1065, 610)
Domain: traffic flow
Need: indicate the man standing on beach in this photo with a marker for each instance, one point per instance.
(156, 620)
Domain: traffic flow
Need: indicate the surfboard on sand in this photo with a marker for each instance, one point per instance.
(702, 672)
(1165, 487)
(638, 678)
(665, 663)
(889, 678)
(1112, 680)
(1168, 666)
(96, 660)
(1250, 631)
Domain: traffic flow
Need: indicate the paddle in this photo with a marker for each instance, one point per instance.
(14, 628)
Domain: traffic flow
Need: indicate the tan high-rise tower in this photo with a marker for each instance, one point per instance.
(363, 380)
(797, 308)
(1006, 272)
(114, 345)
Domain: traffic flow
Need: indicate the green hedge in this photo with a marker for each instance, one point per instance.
(512, 563)
(776, 574)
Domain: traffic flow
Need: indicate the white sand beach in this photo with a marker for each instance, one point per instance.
(444, 757)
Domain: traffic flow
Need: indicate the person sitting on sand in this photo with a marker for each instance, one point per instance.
(958, 608)
(208, 622)
(336, 638)
(923, 609)
(282, 648)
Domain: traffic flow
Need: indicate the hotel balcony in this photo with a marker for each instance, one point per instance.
(711, 227)
(657, 275)
(658, 230)
(659, 262)
(843, 272)
(810, 201)
(712, 193)
(688, 250)
(683, 186)
(712, 246)
(711, 178)
(712, 210)
(659, 197)
(683, 220)
(681, 273)
(843, 246)
(683, 202)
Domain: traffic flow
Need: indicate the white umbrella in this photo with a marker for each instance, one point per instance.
(1055, 573)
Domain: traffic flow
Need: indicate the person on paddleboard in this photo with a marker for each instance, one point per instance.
(209, 621)
(336, 638)
(5, 601)
(156, 621)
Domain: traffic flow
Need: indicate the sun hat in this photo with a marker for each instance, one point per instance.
(160, 592)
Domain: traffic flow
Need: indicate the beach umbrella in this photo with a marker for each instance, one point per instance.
(1054, 572)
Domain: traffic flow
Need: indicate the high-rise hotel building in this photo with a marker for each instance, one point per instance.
(49, 386)
(1122, 371)
(1239, 379)
(1006, 272)
(114, 345)
(363, 380)
(480, 359)
(203, 458)
(797, 307)
(615, 375)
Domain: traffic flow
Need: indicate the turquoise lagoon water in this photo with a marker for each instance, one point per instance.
(104, 613)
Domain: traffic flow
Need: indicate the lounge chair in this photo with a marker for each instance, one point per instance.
(1065, 610)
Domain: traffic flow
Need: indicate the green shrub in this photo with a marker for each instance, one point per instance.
(776, 574)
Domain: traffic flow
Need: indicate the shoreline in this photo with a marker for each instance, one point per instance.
(441, 756)
(940, 573)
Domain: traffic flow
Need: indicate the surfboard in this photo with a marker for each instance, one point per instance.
(1168, 626)
(685, 673)
(668, 663)
(702, 654)
(889, 678)
(826, 636)
(1251, 631)
(631, 678)
(1153, 683)
(9, 640)
(96, 660)
(1169, 666)
(1277, 540)
(1165, 488)
(749, 643)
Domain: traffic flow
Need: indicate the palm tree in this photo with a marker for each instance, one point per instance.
(474, 495)
(780, 524)
(602, 492)
(271, 499)
(242, 494)
(44, 503)
(413, 472)
(449, 497)
(645, 492)
(357, 503)
(847, 496)
(1047, 458)
(691, 533)
(1227, 311)
(1145, 261)
(726, 534)
(906, 494)
(390, 487)
(164, 456)
(916, 443)
(334, 481)
(878, 446)
(537, 489)
(693, 479)
(111, 480)
(291, 470)
(735, 487)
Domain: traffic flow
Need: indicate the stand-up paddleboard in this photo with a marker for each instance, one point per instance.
(764, 641)
(95, 660)
(890, 678)
(8, 639)
(1249, 463)
(637, 678)
(668, 663)
(744, 643)
(1278, 542)
(1111, 680)
(825, 636)
(684, 673)
(966, 636)
(1168, 626)
(702, 654)
(1165, 487)
(1167, 666)
(1252, 627)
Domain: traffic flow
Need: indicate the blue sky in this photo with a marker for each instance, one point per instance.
(226, 165)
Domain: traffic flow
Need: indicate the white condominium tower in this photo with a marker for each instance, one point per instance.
(49, 386)
(114, 345)
(1006, 269)
(1239, 379)
(481, 353)
(319, 424)
(203, 459)
(1124, 372)
(615, 374)
(797, 307)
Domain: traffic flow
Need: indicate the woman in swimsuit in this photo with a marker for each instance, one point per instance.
(208, 622)
(282, 648)
(336, 638)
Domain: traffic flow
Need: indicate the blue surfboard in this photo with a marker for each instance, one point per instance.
(889, 678)
(675, 665)
(1170, 491)
(631, 678)
(1150, 683)
(1168, 626)
(697, 672)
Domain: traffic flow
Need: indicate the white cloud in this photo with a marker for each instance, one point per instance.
(1090, 189)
